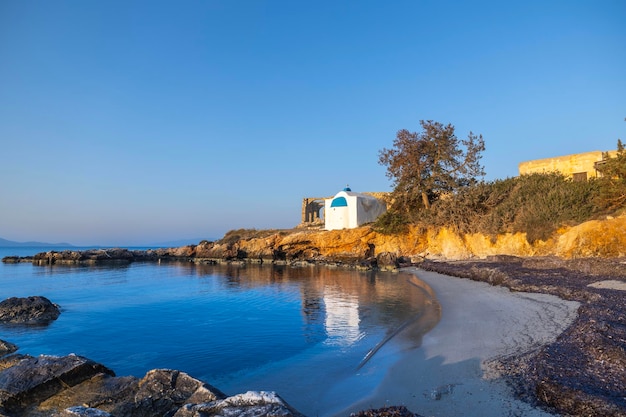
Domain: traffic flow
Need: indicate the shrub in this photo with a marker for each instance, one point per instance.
(391, 222)
(537, 204)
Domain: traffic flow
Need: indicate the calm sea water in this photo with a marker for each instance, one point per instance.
(301, 332)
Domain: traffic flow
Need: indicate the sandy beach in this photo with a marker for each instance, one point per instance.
(451, 374)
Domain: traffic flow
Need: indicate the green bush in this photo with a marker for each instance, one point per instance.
(391, 223)
(537, 204)
(612, 194)
(547, 201)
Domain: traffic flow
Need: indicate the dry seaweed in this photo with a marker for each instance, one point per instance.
(582, 372)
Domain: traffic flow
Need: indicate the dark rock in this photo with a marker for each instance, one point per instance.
(10, 360)
(399, 411)
(369, 263)
(17, 259)
(387, 260)
(32, 380)
(114, 256)
(103, 391)
(6, 348)
(29, 310)
(162, 392)
(94, 256)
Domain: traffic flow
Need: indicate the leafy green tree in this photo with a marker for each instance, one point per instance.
(424, 165)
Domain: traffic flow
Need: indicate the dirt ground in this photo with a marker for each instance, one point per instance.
(583, 373)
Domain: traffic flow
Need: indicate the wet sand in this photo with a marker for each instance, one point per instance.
(452, 373)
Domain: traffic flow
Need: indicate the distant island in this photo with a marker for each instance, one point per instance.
(6, 243)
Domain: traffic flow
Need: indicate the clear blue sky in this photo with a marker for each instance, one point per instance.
(128, 122)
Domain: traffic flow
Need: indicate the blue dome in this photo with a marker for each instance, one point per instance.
(339, 202)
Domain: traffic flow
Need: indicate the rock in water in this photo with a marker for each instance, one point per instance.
(73, 386)
(251, 403)
(6, 348)
(30, 310)
(161, 392)
(33, 380)
(393, 411)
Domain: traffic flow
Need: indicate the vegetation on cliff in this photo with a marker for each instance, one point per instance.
(536, 204)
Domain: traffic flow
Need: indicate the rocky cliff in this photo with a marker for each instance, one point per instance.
(598, 238)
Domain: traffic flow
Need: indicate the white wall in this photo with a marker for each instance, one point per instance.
(336, 218)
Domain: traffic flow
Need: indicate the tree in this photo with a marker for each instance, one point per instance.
(614, 167)
(613, 181)
(434, 161)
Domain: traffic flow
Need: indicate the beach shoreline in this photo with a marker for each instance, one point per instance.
(453, 370)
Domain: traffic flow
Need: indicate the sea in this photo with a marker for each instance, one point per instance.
(302, 332)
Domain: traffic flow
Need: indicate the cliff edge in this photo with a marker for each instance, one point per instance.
(597, 238)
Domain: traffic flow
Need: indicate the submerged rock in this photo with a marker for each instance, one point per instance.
(28, 310)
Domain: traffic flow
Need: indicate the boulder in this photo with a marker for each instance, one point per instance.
(387, 260)
(103, 391)
(162, 392)
(32, 380)
(74, 386)
(6, 348)
(28, 310)
(251, 403)
(8, 361)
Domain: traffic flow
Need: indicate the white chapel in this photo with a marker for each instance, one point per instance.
(348, 210)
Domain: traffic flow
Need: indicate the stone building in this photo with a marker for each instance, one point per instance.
(580, 166)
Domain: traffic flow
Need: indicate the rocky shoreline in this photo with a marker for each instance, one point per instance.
(76, 386)
(210, 253)
(582, 373)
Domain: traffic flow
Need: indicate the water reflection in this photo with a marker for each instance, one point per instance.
(232, 318)
(345, 302)
(342, 318)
